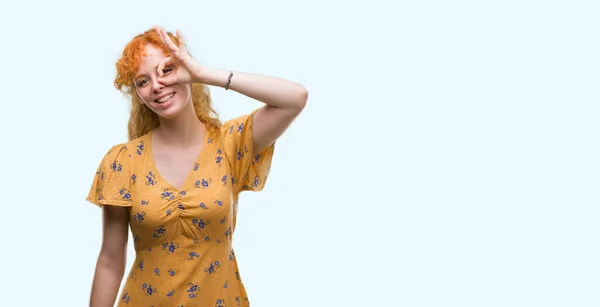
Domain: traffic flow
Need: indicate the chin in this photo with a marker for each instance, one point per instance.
(170, 112)
(167, 114)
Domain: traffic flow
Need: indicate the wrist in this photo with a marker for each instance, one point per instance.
(211, 76)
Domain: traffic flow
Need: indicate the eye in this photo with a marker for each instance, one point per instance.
(141, 82)
(167, 70)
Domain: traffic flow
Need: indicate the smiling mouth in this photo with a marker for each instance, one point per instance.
(164, 99)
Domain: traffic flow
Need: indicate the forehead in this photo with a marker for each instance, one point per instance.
(150, 59)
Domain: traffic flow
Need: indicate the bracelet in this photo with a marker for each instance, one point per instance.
(228, 80)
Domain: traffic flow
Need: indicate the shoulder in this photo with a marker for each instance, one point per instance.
(233, 125)
(238, 125)
(126, 150)
(138, 146)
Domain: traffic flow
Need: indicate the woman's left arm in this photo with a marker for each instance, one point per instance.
(284, 101)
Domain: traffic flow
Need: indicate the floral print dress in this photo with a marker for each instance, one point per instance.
(183, 237)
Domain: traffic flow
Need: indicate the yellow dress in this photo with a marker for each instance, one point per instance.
(183, 237)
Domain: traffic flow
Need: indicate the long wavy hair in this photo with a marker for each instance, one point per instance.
(141, 119)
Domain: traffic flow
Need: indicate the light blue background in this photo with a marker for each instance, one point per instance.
(448, 155)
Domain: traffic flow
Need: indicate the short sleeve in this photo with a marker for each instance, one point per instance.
(111, 184)
(249, 171)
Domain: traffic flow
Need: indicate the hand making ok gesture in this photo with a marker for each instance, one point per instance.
(178, 67)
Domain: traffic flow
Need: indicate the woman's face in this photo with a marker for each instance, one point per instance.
(165, 101)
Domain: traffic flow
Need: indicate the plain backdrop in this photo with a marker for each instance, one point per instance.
(448, 154)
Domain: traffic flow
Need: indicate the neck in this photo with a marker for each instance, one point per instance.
(185, 130)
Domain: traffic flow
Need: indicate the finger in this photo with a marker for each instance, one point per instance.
(168, 80)
(163, 64)
(170, 44)
(164, 38)
(180, 37)
(160, 35)
(182, 44)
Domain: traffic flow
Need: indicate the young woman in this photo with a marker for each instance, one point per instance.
(176, 181)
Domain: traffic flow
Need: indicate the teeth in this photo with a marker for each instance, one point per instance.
(165, 98)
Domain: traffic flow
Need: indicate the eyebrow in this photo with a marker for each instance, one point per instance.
(138, 75)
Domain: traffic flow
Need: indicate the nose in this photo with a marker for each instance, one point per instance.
(157, 86)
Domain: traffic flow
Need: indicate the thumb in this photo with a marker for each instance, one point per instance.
(168, 79)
